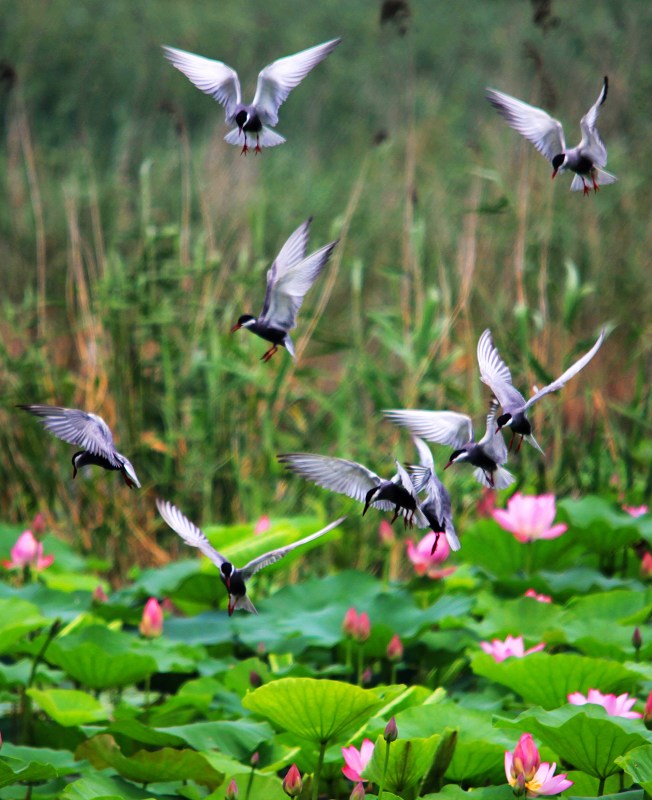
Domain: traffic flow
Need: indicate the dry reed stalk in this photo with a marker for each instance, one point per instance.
(328, 286)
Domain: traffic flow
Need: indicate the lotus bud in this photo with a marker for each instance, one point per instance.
(386, 535)
(99, 595)
(254, 679)
(231, 791)
(395, 648)
(151, 624)
(292, 783)
(350, 622)
(38, 524)
(363, 630)
(391, 731)
(255, 759)
(526, 758)
(358, 792)
(637, 639)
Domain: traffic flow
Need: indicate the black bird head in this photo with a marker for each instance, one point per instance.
(227, 570)
(557, 162)
(458, 455)
(241, 118)
(504, 421)
(76, 462)
(245, 321)
(368, 498)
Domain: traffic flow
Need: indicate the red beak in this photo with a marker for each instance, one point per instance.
(554, 173)
(448, 465)
(236, 327)
(231, 607)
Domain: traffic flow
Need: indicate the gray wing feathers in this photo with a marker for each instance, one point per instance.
(256, 564)
(590, 136)
(276, 81)
(495, 373)
(213, 77)
(570, 372)
(337, 474)
(545, 132)
(443, 427)
(188, 531)
(292, 252)
(493, 441)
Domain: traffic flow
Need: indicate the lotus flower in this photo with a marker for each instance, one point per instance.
(614, 706)
(386, 535)
(395, 648)
(263, 524)
(636, 511)
(151, 624)
(292, 783)
(426, 562)
(530, 518)
(356, 760)
(541, 598)
(527, 775)
(356, 626)
(512, 646)
(28, 552)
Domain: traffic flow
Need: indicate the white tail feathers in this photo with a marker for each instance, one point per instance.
(245, 604)
(451, 538)
(502, 478)
(266, 138)
(602, 178)
(289, 346)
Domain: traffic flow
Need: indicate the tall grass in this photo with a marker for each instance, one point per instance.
(133, 237)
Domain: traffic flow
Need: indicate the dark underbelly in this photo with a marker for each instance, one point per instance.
(253, 126)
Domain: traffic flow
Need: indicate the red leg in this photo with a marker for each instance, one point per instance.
(258, 149)
(395, 517)
(586, 188)
(434, 547)
(511, 442)
(245, 148)
(518, 447)
(490, 478)
(596, 188)
(266, 356)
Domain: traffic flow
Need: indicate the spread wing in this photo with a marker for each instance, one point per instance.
(337, 474)
(78, 427)
(288, 283)
(277, 80)
(188, 531)
(406, 482)
(212, 77)
(590, 136)
(544, 131)
(570, 372)
(291, 254)
(273, 556)
(495, 373)
(493, 442)
(443, 427)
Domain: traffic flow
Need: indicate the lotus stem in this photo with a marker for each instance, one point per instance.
(317, 773)
(381, 785)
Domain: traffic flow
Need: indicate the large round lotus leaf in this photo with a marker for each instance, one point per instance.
(69, 707)
(638, 765)
(584, 736)
(409, 761)
(547, 680)
(318, 710)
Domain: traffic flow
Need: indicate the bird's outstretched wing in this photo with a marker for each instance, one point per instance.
(495, 373)
(276, 81)
(212, 77)
(590, 136)
(570, 372)
(188, 531)
(406, 483)
(289, 280)
(544, 131)
(493, 442)
(337, 474)
(78, 427)
(443, 427)
(273, 556)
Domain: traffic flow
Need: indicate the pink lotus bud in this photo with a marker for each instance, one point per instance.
(647, 714)
(292, 783)
(646, 565)
(255, 759)
(395, 648)
(350, 622)
(526, 758)
(38, 524)
(487, 503)
(254, 679)
(99, 595)
(367, 675)
(262, 525)
(386, 535)
(637, 639)
(231, 791)
(358, 792)
(28, 552)
(391, 731)
(151, 624)
(363, 628)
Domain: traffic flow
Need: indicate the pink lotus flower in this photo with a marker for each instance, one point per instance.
(541, 598)
(263, 524)
(292, 783)
(426, 562)
(151, 624)
(636, 511)
(614, 706)
(395, 648)
(512, 647)
(527, 775)
(99, 595)
(647, 715)
(386, 535)
(356, 760)
(530, 518)
(28, 552)
(487, 503)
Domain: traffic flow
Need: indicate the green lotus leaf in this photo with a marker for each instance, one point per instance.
(547, 680)
(15, 770)
(454, 792)
(147, 766)
(409, 761)
(598, 526)
(100, 658)
(102, 787)
(69, 707)
(237, 738)
(317, 710)
(583, 736)
(17, 619)
(638, 765)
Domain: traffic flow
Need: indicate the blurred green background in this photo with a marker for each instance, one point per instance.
(132, 237)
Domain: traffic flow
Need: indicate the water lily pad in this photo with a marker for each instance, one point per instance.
(409, 761)
(317, 710)
(69, 707)
(638, 765)
(17, 619)
(547, 680)
(584, 736)
(102, 787)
